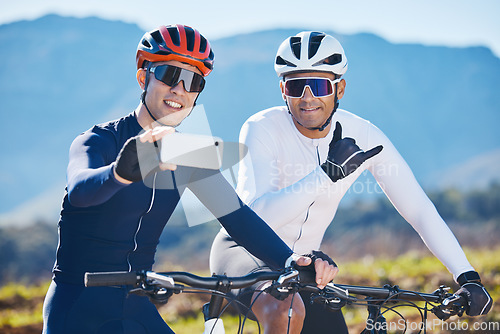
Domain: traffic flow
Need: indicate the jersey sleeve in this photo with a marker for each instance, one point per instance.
(242, 224)
(401, 187)
(90, 179)
(258, 178)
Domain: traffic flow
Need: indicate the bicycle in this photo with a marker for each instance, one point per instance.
(378, 300)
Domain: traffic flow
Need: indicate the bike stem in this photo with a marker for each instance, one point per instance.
(378, 322)
(213, 308)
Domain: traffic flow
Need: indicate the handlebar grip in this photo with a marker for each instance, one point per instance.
(112, 278)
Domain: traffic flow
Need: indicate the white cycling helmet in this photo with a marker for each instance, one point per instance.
(310, 51)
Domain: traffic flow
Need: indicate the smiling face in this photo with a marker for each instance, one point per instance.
(309, 111)
(169, 105)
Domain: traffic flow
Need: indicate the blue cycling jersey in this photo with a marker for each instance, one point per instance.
(108, 226)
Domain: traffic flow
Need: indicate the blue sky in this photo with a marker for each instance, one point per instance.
(432, 22)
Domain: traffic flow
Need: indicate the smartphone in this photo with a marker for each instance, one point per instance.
(185, 149)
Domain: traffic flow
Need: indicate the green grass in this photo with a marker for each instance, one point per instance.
(26, 292)
(412, 271)
(22, 305)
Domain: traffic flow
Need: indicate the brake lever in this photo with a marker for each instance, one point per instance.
(286, 276)
(278, 289)
(166, 282)
(332, 296)
(453, 298)
(344, 293)
(454, 305)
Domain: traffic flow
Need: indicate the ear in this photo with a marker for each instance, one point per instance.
(341, 89)
(141, 77)
(282, 88)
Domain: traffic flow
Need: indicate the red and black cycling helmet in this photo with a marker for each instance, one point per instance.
(176, 42)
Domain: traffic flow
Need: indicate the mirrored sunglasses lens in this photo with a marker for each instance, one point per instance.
(171, 76)
(319, 87)
(193, 82)
(294, 88)
(198, 83)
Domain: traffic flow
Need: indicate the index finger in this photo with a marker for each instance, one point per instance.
(161, 131)
(152, 135)
(319, 266)
(303, 261)
(325, 272)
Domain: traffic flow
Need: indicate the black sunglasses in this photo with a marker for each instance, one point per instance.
(172, 75)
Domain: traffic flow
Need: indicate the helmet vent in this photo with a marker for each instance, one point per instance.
(157, 37)
(146, 43)
(295, 45)
(190, 38)
(281, 61)
(314, 43)
(203, 45)
(208, 65)
(174, 35)
(333, 59)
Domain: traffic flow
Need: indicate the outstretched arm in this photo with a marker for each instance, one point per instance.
(399, 184)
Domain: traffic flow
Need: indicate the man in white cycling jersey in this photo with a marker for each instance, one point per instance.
(303, 157)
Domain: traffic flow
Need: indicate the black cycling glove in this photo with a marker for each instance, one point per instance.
(137, 160)
(344, 156)
(478, 299)
(320, 255)
(308, 273)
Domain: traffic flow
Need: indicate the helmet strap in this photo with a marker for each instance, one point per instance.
(143, 95)
(329, 119)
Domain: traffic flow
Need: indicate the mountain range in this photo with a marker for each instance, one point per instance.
(439, 105)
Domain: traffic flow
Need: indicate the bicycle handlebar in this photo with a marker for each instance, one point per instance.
(445, 304)
(217, 280)
(343, 290)
(388, 292)
(136, 278)
(449, 304)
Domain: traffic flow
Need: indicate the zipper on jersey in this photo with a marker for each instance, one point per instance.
(302, 226)
(316, 145)
(140, 223)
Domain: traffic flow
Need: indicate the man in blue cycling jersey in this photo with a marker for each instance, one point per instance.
(303, 157)
(119, 196)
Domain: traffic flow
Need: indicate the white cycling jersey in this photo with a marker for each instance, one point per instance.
(280, 179)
